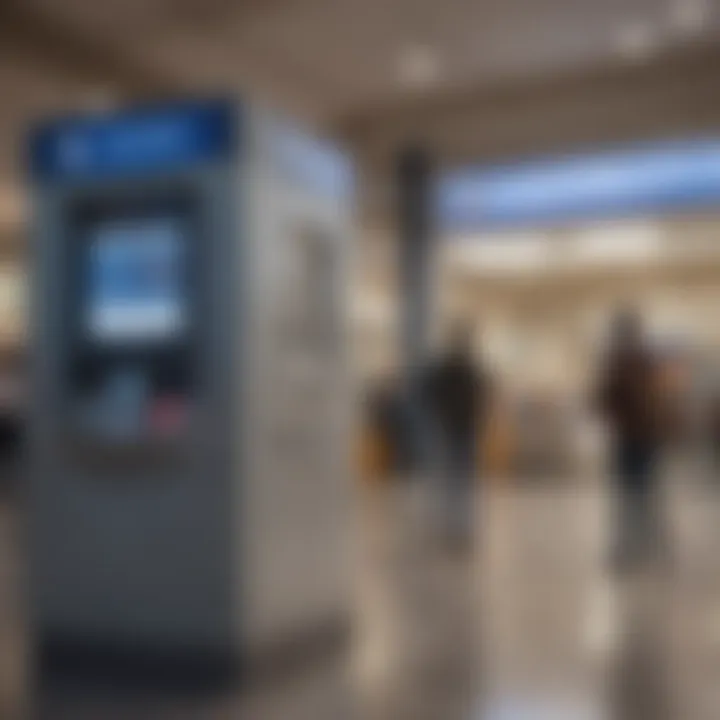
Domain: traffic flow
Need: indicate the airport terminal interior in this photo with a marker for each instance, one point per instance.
(521, 173)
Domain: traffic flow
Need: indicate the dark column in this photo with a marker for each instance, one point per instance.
(414, 183)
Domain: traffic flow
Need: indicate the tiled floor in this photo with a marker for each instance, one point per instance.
(531, 626)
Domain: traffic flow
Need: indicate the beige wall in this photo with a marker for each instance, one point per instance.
(13, 305)
(545, 326)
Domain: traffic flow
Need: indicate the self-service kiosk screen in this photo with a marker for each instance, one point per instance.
(135, 288)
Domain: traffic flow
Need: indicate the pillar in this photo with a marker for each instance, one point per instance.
(414, 198)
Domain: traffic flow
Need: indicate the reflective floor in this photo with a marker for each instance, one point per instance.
(531, 625)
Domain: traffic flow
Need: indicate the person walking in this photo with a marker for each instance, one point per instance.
(457, 399)
(630, 400)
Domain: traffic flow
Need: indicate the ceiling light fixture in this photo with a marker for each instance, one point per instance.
(689, 17)
(637, 40)
(418, 66)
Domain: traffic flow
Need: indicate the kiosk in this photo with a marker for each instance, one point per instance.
(188, 440)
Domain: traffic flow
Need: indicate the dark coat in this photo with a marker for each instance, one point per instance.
(457, 396)
(628, 396)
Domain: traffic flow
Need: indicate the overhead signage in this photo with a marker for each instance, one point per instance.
(650, 178)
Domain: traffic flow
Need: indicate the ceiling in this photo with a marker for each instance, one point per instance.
(327, 60)
(334, 57)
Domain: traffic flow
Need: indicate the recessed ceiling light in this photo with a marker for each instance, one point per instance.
(418, 66)
(689, 16)
(637, 40)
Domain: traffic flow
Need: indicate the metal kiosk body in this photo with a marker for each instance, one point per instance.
(189, 480)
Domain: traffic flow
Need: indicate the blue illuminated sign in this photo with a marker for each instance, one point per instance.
(147, 140)
(649, 178)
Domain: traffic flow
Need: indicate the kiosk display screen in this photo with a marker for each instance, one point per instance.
(135, 280)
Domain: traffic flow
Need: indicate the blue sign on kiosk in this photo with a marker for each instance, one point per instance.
(149, 140)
